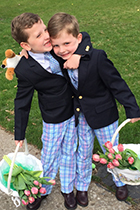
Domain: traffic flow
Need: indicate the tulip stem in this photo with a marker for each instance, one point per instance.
(8, 160)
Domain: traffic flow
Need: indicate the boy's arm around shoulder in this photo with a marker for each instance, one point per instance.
(83, 51)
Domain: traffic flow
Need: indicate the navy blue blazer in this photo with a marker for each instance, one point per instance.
(99, 86)
(54, 95)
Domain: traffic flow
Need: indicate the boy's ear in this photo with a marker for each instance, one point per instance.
(25, 46)
(79, 38)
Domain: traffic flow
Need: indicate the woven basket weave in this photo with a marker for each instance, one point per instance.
(127, 176)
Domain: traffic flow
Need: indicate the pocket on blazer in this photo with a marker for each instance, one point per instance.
(104, 106)
(54, 105)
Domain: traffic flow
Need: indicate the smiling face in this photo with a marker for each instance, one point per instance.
(39, 39)
(64, 45)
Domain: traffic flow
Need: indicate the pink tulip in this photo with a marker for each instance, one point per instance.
(111, 150)
(34, 190)
(40, 185)
(110, 156)
(118, 156)
(24, 202)
(52, 181)
(115, 162)
(31, 199)
(27, 192)
(96, 158)
(110, 165)
(131, 160)
(120, 147)
(103, 161)
(36, 182)
(108, 144)
(42, 190)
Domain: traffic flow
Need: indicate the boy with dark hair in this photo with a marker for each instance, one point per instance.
(42, 73)
(96, 85)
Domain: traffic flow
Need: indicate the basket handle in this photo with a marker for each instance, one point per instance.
(118, 129)
(13, 161)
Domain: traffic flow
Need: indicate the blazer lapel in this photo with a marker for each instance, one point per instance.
(36, 67)
(82, 73)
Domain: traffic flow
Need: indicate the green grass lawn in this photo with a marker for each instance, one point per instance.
(113, 26)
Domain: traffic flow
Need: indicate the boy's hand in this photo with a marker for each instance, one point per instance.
(21, 143)
(72, 62)
(134, 120)
(24, 53)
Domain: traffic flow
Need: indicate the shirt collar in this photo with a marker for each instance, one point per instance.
(39, 57)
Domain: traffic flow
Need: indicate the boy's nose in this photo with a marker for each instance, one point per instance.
(61, 49)
(47, 35)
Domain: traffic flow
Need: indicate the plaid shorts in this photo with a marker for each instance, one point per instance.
(59, 150)
(86, 137)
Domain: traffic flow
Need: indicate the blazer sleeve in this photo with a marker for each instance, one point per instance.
(117, 86)
(22, 105)
(85, 47)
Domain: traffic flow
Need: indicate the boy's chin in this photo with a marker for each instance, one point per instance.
(65, 57)
(48, 49)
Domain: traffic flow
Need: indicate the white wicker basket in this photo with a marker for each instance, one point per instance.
(23, 158)
(127, 176)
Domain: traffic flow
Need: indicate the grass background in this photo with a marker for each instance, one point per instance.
(113, 26)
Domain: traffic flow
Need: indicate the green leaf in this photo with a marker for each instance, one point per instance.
(44, 181)
(137, 164)
(28, 176)
(17, 171)
(39, 195)
(15, 184)
(105, 147)
(131, 153)
(8, 160)
(35, 196)
(6, 177)
(34, 173)
(21, 193)
(124, 163)
(132, 168)
(45, 177)
(19, 183)
(121, 167)
(103, 155)
(24, 197)
(12, 179)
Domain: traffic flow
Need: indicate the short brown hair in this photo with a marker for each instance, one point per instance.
(21, 22)
(61, 21)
